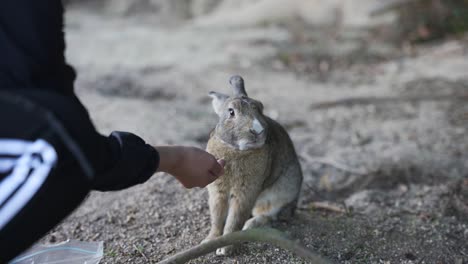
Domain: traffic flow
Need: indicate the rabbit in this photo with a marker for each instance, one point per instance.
(263, 175)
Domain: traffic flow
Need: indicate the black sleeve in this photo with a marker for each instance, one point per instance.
(118, 161)
(32, 64)
(134, 162)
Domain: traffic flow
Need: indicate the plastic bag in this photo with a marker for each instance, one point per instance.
(70, 252)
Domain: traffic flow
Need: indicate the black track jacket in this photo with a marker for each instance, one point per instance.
(32, 66)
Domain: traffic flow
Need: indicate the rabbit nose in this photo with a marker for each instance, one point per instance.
(257, 128)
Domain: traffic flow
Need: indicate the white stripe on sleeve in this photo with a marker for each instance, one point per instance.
(29, 173)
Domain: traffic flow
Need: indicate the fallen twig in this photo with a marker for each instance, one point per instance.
(265, 235)
(324, 205)
(333, 163)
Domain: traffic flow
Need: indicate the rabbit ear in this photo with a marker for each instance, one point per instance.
(237, 83)
(218, 101)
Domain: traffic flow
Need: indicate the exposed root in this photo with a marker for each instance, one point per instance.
(265, 235)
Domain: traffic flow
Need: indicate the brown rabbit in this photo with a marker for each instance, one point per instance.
(262, 176)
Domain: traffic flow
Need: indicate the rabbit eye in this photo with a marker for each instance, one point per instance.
(231, 112)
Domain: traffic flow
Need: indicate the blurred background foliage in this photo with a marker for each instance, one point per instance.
(426, 20)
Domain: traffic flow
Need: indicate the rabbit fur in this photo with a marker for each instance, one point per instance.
(262, 176)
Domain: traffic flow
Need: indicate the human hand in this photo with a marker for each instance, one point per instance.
(193, 167)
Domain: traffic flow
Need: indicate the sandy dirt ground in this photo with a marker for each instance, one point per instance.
(381, 131)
